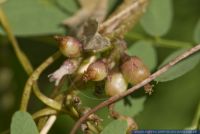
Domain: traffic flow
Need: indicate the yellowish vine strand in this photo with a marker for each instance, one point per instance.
(24, 61)
(44, 112)
(33, 78)
(20, 55)
(46, 100)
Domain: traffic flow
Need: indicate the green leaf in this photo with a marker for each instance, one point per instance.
(116, 127)
(158, 17)
(145, 51)
(134, 109)
(22, 123)
(38, 17)
(197, 32)
(179, 69)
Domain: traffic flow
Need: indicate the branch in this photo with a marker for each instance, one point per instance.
(115, 20)
(136, 87)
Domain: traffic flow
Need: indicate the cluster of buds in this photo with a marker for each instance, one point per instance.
(130, 69)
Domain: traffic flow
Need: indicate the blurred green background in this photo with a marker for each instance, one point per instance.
(172, 105)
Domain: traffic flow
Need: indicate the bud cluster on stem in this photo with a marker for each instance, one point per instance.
(112, 68)
(130, 69)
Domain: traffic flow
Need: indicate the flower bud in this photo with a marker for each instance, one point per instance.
(69, 46)
(96, 71)
(69, 66)
(115, 84)
(134, 71)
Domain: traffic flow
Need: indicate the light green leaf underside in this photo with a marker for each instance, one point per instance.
(115, 127)
(38, 17)
(136, 107)
(22, 123)
(197, 32)
(158, 17)
(179, 69)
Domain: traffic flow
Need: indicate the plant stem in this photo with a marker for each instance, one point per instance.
(113, 22)
(44, 112)
(23, 60)
(118, 97)
(20, 54)
(48, 125)
(46, 100)
(33, 78)
(159, 42)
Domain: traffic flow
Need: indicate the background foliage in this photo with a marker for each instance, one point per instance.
(173, 103)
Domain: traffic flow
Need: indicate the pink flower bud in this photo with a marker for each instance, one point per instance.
(68, 67)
